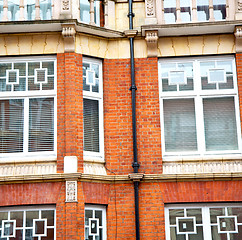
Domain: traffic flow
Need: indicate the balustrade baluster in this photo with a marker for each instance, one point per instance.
(105, 13)
(37, 10)
(21, 10)
(178, 11)
(194, 11)
(92, 13)
(5, 10)
(211, 12)
(162, 13)
(227, 10)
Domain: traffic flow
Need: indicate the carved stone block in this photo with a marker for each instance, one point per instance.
(151, 37)
(69, 33)
(71, 191)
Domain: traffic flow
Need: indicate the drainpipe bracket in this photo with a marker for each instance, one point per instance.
(130, 33)
(136, 177)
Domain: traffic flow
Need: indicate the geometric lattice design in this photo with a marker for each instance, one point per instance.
(216, 76)
(186, 225)
(40, 227)
(94, 227)
(40, 75)
(227, 224)
(9, 228)
(177, 77)
(90, 78)
(13, 76)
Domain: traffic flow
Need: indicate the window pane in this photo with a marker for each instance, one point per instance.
(170, 11)
(45, 9)
(11, 126)
(203, 10)
(180, 125)
(91, 125)
(220, 124)
(30, 10)
(219, 8)
(13, 10)
(41, 124)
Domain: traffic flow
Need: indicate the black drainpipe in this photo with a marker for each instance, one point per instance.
(133, 88)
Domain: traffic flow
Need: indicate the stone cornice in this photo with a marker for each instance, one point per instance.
(61, 177)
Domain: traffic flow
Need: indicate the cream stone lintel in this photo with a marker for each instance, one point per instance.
(238, 38)
(151, 37)
(60, 177)
(136, 177)
(68, 33)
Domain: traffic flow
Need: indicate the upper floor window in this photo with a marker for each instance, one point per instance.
(183, 9)
(95, 222)
(29, 7)
(203, 222)
(85, 11)
(93, 108)
(27, 106)
(199, 105)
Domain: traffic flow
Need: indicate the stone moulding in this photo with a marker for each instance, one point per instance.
(71, 191)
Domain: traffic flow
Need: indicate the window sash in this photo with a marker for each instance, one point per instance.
(199, 96)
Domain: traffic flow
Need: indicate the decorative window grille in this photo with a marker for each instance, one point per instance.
(199, 105)
(27, 106)
(95, 223)
(28, 223)
(203, 222)
(92, 108)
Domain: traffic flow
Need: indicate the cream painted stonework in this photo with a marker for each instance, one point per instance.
(31, 44)
(202, 45)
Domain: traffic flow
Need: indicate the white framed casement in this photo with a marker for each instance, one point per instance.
(93, 110)
(95, 222)
(211, 221)
(27, 222)
(28, 107)
(200, 116)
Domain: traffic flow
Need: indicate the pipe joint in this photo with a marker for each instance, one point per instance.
(133, 88)
(130, 14)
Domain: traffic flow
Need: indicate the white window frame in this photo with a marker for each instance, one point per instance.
(205, 217)
(26, 96)
(198, 95)
(104, 220)
(88, 155)
(24, 227)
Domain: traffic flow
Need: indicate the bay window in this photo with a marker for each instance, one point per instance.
(199, 105)
(93, 109)
(27, 106)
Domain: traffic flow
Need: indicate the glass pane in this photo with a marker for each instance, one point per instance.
(196, 212)
(41, 124)
(1, 13)
(45, 9)
(50, 234)
(185, 10)
(31, 67)
(214, 212)
(174, 213)
(236, 236)
(236, 211)
(11, 126)
(13, 10)
(203, 10)
(18, 216)
(216, 235)
(91, 125)
(39, 227)
(88, 214)
(49, 66)
(98, 214)
(219, 8)
(18, 236)
(220, 124)
(49, 215)
(85, 11)
(170, 11)
(180, 125)
(198, 236)
(30, 10)
(3, 216)
(175, 236)
(30, 215)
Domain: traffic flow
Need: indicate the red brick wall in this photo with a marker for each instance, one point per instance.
(118, 116)
(69, 109)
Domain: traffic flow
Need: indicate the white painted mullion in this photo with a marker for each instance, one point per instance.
(207, 233)
(26, 125)
(199, 108)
